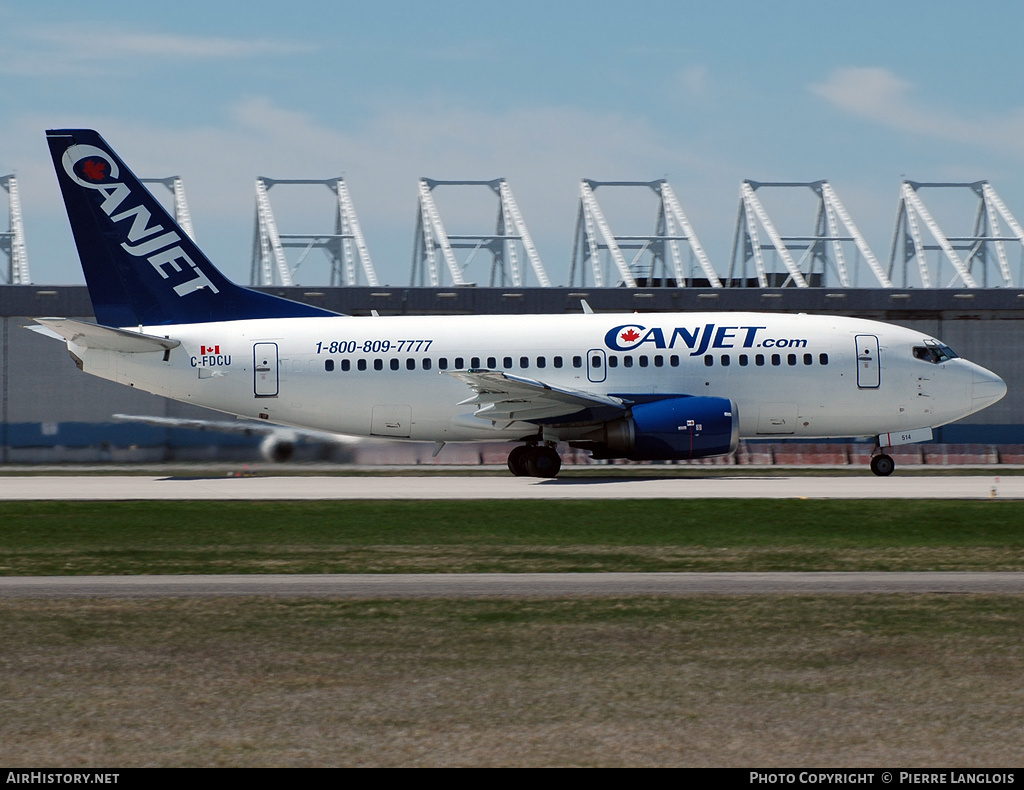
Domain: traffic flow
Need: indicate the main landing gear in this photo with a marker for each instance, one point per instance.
(530, 460)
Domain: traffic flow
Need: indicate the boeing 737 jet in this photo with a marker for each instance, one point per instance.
(656, 386)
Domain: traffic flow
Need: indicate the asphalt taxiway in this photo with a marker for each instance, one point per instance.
(441, 486)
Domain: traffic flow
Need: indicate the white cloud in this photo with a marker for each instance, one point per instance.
(112, 44)
(694, 80)
(72, 50)
(878, 95)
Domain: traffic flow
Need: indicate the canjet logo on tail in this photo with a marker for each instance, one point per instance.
(90, 167)
(629, 337)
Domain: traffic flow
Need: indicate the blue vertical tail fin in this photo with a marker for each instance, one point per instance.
(140, 266)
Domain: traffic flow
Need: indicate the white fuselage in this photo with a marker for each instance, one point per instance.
(796, 376)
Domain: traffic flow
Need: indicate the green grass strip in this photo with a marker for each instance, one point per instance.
(459, 536)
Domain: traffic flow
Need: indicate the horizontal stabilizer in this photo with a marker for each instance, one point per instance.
(90, 335)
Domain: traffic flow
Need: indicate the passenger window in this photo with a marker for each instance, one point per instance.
(643, 360)
(442, 363)
(558, 362)
(492, 362)
(328, 365)
(378, 364)
(627, 362)
(458, 363)
(508, 362)
(823, 359)
(674, 360)
(808, 359)
(361, 364)
(524, 362)
(613, 362)
(541, 362)
(410, 364)
(595, 361)
(395, 364)
(577, 362)
(776, 360)
(743, 360)
(726, 360)
(426, 363)
(659, 361)
(709, 360)
(759, 360)
(474, 362)
(345, 364)
(791, 359)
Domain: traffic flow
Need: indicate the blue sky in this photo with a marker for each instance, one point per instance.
(542, 93)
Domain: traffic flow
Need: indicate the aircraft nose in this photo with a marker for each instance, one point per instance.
(986, 389)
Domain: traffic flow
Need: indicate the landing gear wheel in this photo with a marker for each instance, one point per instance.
(517, 460)
(543, 462)
(882, 465)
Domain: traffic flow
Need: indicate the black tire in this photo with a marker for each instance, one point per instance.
(543, 462)
(517, 460)
(882, 465)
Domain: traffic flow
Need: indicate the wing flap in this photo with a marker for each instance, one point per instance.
(504, 397)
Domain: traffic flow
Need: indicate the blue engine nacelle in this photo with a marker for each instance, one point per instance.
(672, 429)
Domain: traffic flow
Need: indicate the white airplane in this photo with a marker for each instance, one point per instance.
(655, 386)
(278, 442)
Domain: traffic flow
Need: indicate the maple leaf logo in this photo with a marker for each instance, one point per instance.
(94, 169)
(630, 336)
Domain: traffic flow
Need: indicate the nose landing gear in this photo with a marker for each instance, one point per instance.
(533, 461)
(882, 465)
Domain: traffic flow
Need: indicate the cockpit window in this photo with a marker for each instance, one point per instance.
(934, 352)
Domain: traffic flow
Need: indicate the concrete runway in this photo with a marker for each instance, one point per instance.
(508, 585)
(439, 486)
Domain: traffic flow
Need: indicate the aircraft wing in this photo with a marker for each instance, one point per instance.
(244, 427)
(503, 397)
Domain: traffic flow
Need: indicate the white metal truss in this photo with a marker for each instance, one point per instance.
(586, 215)
(594, 237)
(751, 215)
(345, 248)
(425, 235)
(13, 242)
(268, 254)
(353, 243)
(510, 209)
(748, 221)
(599, 236)
(822, 250)
(179, 205)
(834, 207)
(502, 243)
(992, 200)
(966, 254)
(433, 235)
(674, 216)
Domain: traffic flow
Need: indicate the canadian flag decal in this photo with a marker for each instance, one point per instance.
(209, 349)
